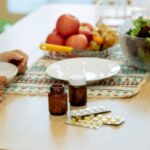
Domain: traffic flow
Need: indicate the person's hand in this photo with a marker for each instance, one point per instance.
(16, 57)
(3, 82)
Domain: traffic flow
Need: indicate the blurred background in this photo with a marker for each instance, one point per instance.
(13, 10)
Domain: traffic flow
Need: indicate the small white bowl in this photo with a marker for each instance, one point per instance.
(8, 70)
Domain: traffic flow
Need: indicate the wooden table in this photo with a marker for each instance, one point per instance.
(25, 123)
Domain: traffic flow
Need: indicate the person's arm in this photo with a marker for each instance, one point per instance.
(17, 57)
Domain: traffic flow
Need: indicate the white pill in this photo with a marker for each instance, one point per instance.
(118, 118)
(113, 121)
(73, 120)
(95, 119)
(91, 116)
(104, 120)
(76, 123)
(100, 116)
(97, 123)
(91, 122)
(108, 117)
(86, 118)
(86, 121)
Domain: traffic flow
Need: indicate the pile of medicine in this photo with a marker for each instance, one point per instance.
(92, 118)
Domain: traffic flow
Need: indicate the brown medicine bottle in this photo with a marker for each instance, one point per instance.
(77, 90)
(57, 99)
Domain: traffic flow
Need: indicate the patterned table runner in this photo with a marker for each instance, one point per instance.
(36, 82)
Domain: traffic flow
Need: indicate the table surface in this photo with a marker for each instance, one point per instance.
(25, 123)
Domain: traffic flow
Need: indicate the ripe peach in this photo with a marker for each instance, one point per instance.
(87, 25)
(67, 25)
(55, 38)
(78, 41)
(86, 32)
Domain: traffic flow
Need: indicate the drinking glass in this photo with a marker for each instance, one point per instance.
(112, 12)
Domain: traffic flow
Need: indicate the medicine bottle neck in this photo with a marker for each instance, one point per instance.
(57, 88)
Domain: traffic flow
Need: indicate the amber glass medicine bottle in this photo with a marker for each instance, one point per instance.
(57, 99)
(77, 90)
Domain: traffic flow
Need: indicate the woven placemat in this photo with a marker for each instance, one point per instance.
(36, 82)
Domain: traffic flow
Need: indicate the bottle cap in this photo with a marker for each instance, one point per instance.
(77, 80)
(57, 87)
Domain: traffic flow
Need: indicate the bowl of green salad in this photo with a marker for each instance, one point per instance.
(135, 42)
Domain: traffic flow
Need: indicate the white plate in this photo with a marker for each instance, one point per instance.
(93, 68)
(8, 70)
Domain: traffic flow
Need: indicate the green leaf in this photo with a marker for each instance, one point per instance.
(138, 24)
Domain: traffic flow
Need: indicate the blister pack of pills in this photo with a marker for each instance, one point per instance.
(90, 122)
(91, 117)
(108, 120)
(89, 111)
(94, 122)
